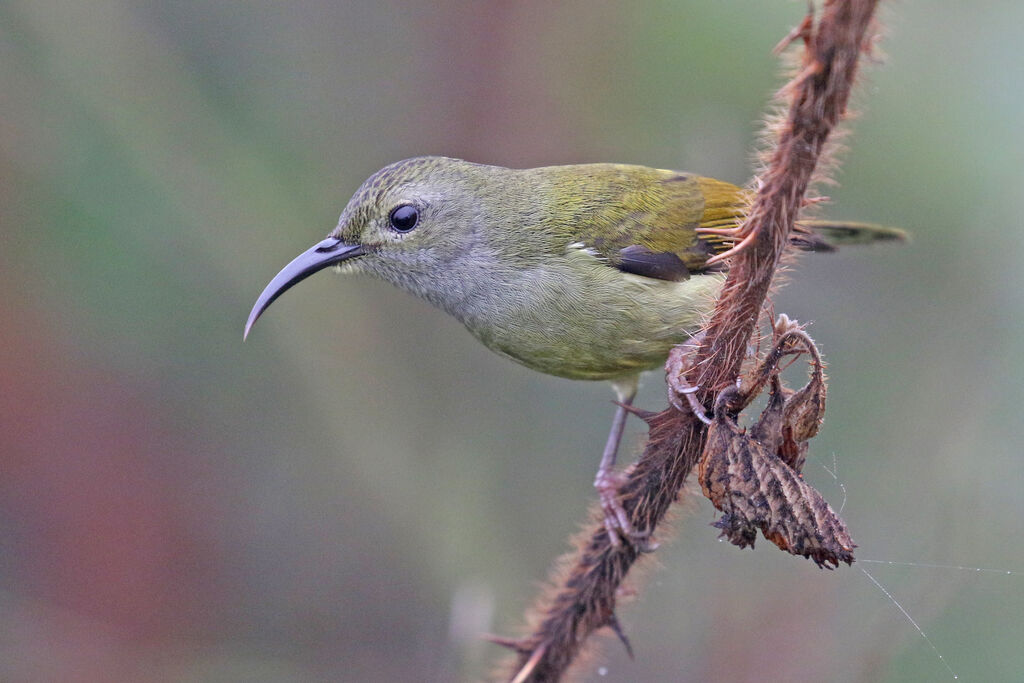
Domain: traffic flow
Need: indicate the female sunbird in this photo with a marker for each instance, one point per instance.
(592, 271)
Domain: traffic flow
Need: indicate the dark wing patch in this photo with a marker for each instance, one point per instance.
(658, 265)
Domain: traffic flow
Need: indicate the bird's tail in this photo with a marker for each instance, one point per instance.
(828, 235)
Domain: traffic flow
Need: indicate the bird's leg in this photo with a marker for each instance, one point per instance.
(608, 481)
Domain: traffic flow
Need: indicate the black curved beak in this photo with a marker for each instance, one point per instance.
(323, 255)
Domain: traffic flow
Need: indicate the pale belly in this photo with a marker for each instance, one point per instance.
(605, 327)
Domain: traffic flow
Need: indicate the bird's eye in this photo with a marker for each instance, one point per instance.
(404, 217)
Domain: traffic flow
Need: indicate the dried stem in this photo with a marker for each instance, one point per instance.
(583, 593)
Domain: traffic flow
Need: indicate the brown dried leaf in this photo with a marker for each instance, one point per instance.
(755, 490)
(791, 418)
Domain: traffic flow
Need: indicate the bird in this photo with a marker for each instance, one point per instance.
(586, 271)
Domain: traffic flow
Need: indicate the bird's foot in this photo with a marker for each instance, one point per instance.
(681, 388)
(616, 519)
(679, 363)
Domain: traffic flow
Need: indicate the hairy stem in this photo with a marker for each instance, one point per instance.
(583, 593)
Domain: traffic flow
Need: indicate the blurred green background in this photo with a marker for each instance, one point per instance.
(361, 489)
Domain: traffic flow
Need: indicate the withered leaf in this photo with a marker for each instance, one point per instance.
(755, 489)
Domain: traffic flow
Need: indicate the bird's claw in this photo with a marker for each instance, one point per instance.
(691, 401)
(616, 519)
(677, 367)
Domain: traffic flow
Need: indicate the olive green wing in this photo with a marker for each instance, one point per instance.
(645, 220)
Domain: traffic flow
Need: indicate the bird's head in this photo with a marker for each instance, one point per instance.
(407, 224)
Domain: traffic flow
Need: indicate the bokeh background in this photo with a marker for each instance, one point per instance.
(360, 490)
